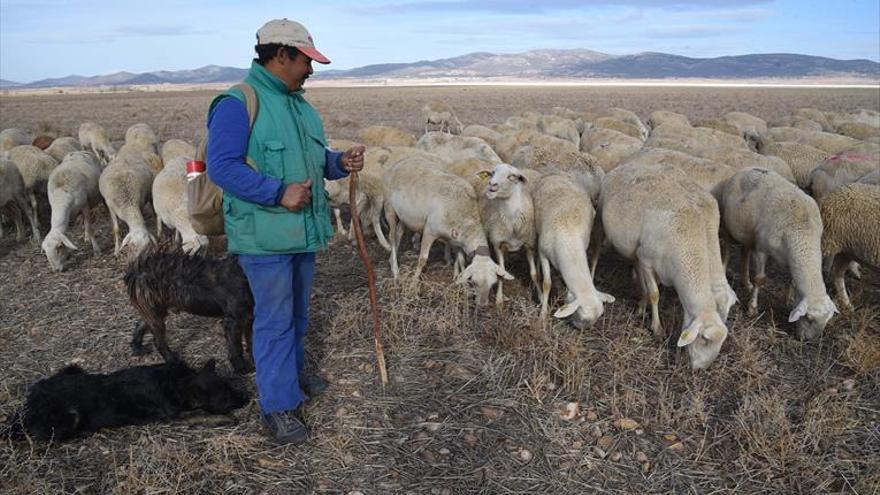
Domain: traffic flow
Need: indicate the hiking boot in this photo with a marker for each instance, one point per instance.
(312, 385)
(286, 427)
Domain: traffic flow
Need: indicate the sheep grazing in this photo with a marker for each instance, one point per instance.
(508, 217)
(162, 280)
(73, 190)
(660, 117)
(769, 216)
(564, 220)
(629, 117)
(513, 141)
(872, 178)
(14, 201)
(838, 170)
(174, 148)
(143, 135)
(668, 226)
(708, 174)
(42, 141)
(746, 123)
(620, 126)
(801, 158)
(125, 185)
(35, 166)
(60, 147)
(12, 137)
(440, 114)
(850, 215)
(73, 402)
(609, 147)
(383, 135)
(439, 205)
(93, 137)
(480, 131)
(169, 203)
(454, 148)
(561, 128)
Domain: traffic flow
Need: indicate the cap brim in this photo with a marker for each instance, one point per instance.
(314, 55)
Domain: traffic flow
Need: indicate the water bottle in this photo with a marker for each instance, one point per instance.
(194, 168)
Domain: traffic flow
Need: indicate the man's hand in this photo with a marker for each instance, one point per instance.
(297, 195)
(353, 159)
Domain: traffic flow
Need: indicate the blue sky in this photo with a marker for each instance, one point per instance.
(55, 38)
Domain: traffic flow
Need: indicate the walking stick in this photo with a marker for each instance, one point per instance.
(371, 275)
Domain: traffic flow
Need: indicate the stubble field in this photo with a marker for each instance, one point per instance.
(477, 396)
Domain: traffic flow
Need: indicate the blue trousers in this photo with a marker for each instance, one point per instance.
(281, 285)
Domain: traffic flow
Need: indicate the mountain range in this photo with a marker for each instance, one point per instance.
(535, 64)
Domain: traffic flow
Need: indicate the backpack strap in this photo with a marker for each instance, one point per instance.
(252, 105)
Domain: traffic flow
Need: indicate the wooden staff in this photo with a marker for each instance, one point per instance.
(371, 275)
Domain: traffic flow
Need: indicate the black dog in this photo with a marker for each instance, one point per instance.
(73, 401)
(164, 279)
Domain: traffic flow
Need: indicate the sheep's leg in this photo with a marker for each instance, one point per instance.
(546, 284)
(32, 216)
(447, 254)
(533, 271)
(760, 279)
(115, 222)
(597, 240)
(427, 242)
(838, 275)
(232, 331)
(395, 235)
(746, 262)
(459, 265)
(725, 255)
(340, 226)
(19, 223)
(499, 294)
(87, 230)
(652, 292)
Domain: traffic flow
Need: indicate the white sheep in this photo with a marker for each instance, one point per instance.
(14, 200)
(629, 117)
(169, 202)
(513, 141)
(564, 220)
(487, 134)
(143, 135)
(508, 216)
(742, 158)
(457, 147)
(659, 117)
(12, 137)
(383, 135)
(816, 116)
(838, 170)
(560, 127)
(93, 137)
(73, 191)
(710, 175)
(746, 123)
(619, 126)
(669, 227)
(126, 184)
(441, 114)
(174, 148)
(35, 166)
(769, 216)
(609, 147)
(801, 158)
(850, 215)
(60, 147)
(439, 205)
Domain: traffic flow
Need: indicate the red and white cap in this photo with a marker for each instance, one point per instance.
(290, 33)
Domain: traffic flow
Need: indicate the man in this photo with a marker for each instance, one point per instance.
(276, 214)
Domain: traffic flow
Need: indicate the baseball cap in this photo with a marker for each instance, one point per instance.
(290, 33)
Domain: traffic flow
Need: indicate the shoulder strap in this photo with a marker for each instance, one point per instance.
(251, 102)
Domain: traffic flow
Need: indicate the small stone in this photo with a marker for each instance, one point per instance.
(677, 447)
(616, 457)
(356, 393)
(524, 455)
(626, 424)
(646, 467)
(577, 445)
(428, 456)
(832, 391)
(342, 411)
(670, 437)
(605, 442)
(596, 432)
(569, 411)
(433, 416)
(444, 451)
(641, 457)
(640, 431)
(431, 426)
(592, 416)
(849, 384)
(367, 368)
(470, 439)
(600, 453)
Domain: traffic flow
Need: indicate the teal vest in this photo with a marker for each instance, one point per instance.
(287, 142)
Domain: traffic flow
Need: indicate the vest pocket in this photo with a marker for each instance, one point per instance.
(278, 230)
(274, 159)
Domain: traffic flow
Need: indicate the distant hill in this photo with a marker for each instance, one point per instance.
(550, 64)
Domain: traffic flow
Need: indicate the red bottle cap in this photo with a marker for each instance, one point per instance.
(195, 166)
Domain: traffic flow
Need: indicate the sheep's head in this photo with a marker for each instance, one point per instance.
(703, 337)
(138, 240)
(583, 311)
(812, 316)
(504, 181)
(56, 246)
(483, 273)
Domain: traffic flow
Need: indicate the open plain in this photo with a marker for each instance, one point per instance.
(480, 400)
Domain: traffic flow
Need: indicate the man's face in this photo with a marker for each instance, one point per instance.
(296, 70)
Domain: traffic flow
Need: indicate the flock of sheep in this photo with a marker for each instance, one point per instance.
(669, 195)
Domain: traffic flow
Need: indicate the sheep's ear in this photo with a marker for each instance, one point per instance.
(605, 298)
(67, 242)
(689, 334)
(798, 312)
(465, 275)
(566, 310)
(501, 272)
(484, 174)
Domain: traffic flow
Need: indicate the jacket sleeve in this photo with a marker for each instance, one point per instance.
(333, 165)
(228, 134)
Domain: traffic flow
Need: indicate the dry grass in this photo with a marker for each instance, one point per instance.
(475, 399)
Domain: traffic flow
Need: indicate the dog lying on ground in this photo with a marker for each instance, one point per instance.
(165, 279)
(73, 401)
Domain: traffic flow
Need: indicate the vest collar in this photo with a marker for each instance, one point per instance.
(263, 77)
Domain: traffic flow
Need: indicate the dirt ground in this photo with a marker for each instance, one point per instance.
(478, 397)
